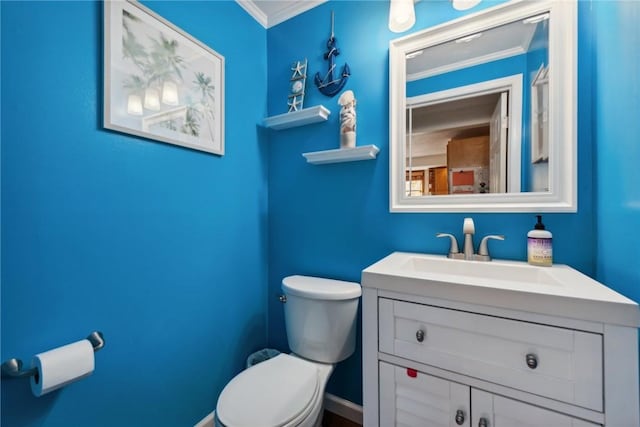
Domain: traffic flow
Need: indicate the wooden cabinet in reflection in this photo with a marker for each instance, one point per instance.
(468, 165)
(438, 181)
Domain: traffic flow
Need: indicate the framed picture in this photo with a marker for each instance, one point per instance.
(159, 82)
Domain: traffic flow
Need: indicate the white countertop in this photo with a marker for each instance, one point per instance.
(558, 290)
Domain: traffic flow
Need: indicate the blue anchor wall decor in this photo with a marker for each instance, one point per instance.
(328, 85)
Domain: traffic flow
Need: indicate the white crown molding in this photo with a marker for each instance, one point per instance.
(503, 54)
(295, 8)
(250, 7)
(282, 14)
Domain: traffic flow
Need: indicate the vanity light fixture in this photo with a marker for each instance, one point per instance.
(467, 39)
(402, 15)
(536, 19)
(464, 4)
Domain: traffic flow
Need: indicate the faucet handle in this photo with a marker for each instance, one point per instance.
(483, 250)
(453, 249)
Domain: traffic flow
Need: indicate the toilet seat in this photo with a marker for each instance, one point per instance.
(278, 392)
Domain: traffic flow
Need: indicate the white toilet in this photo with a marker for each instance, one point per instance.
(288, 390)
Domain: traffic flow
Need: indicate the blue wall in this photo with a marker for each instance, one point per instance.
(166, 249)
(333, 220)
(617, 129)
(161, 248)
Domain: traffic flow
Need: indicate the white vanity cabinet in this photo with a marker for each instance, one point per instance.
(438, 352)
(411, 398)
(560, 363)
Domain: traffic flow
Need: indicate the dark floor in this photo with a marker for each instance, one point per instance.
(332, 420)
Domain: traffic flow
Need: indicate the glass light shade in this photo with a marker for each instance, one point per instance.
(464, 4)
(152, 99)
(402, 15)
(170, 93)
(134, 105)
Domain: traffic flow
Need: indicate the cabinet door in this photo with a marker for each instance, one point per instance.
(414, 399)
(489, 410)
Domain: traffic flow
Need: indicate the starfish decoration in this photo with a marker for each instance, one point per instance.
(293, 104)
(298, 70)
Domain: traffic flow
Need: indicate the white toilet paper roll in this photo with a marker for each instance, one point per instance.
(61, 366)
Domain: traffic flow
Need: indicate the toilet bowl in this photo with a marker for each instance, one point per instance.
(288, 390)
(285, 391)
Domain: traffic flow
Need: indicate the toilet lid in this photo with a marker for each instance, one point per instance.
(271, 393)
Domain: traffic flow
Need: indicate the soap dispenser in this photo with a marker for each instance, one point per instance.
(539, 245)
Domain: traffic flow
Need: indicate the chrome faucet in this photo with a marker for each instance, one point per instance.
(483, 250)
(469, 229)
(454, 252)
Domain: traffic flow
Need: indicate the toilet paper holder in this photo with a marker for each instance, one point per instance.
(12, 368)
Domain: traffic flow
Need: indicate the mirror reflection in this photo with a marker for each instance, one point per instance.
(476, 112)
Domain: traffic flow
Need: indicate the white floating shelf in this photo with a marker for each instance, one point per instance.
(297, 118)
(365, 152)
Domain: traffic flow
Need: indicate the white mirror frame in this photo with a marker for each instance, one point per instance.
(562, 194)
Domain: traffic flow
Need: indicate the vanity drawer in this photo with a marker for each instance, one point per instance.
(558, 363)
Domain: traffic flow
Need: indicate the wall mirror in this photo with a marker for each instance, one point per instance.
(483, 112)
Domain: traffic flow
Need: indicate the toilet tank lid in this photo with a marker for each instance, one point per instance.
(320, 288)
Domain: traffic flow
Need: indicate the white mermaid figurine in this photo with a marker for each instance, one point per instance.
(347, 119)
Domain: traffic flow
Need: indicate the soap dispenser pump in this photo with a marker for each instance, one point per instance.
(539, 245)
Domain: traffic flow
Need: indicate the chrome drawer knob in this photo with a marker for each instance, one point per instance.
(459, 417)
(532, 361)
(483, 422)
(420, 335)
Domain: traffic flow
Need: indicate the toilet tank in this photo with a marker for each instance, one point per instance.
(321, 317)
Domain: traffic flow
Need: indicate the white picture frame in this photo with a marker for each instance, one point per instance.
(160, 83)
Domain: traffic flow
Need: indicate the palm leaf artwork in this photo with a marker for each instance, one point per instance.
(134, 83)
(170, 87)
(203, 84)
(131, 48)
(191, 124)
(165, 59)
(161, 63)
(157, 60)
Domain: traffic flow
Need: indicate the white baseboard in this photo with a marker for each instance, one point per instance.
(207, 421)
(337, 405)
(344, 408)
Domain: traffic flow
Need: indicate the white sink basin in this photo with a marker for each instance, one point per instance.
(557, 290)
(478, 270)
